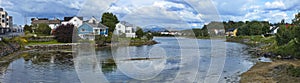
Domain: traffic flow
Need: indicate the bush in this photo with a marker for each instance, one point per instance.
(42, 29)
(294, 71)
(100, 39)
(64, 33)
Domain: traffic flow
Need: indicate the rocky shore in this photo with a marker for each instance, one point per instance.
(278, 70)
(8, 47)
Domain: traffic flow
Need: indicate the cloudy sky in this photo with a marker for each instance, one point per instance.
(168, 13)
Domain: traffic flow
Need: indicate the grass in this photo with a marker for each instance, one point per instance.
(43, 43)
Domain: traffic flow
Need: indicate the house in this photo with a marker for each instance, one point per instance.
(76, 21)
(6, 22)
(51, 23)
(232, 32)
(219, 31)
(90, 30)
(125, 28)
(273, 29)
(93, 20)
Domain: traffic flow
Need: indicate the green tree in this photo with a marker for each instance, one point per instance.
(27, 28)
(296, 20)
(149, 36)
(139, 33)
(110, 20)
(284, 35)
(43, 29)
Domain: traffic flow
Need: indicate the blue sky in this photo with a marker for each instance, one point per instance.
(170, 13)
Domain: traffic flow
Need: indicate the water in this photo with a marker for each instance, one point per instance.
(172, 60)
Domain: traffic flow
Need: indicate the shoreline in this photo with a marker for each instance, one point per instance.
(266, 72)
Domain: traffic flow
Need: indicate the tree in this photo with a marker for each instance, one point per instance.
(64, 33)
(296, 20)
(27, 29)
(110, 20)
(43, 29)
(149, 36)
(139, 33)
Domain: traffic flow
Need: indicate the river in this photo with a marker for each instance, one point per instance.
(172, 60)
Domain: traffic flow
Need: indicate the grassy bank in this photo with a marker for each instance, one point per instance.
(43, 43)
(252, 40)
(285, 68)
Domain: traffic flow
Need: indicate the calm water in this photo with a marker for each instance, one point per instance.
(173, 60)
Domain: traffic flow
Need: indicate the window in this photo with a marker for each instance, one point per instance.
(94, 22)
(132, 30)
(120, 31)
(96, 31)
(127, 31)
(119, 26)
(3, 21)
(82, 29)
(2, 16)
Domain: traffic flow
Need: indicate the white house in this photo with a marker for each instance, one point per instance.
(76, 21)
(125, 28)
(93, 20)
(274, 29)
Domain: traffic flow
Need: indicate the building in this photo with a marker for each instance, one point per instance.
(93, 20)
(6, 22)
(273, 29)
(91, 28)
(17, 28)
(125, 28)
(51, 23)
(76, 21)
(232, 32)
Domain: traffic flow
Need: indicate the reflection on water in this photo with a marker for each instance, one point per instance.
(108, 66)
(58, 66)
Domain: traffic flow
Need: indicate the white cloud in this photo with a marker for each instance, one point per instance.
(275, 4)
(165, 4)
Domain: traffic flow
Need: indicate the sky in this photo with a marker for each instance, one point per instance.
(167, 13)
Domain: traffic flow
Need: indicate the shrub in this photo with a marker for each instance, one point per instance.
(66, 33)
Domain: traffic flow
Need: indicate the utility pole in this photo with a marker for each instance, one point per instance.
(25, 19)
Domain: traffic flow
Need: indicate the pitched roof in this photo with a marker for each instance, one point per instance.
(69, 18)
(231, 29)
(126, 24)
(96, 25)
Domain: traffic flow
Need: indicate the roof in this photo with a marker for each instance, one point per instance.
(231, 29)
(126, 24)
(1, 9)
(97, 25)
(45, 21)
(69, 18)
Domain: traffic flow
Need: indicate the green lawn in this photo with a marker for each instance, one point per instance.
(43, 43)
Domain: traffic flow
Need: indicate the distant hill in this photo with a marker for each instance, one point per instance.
(154, 28)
